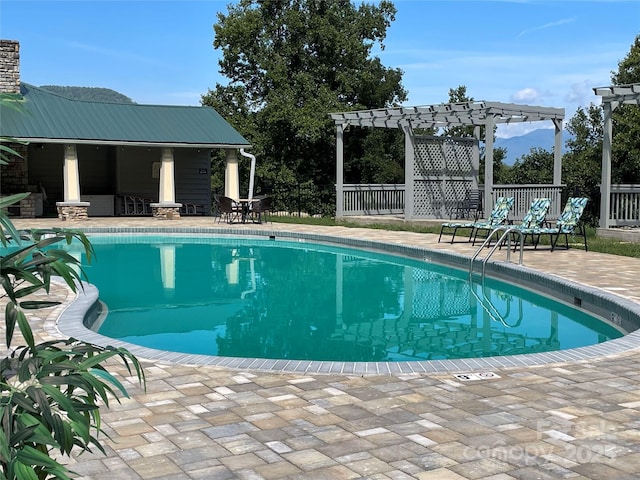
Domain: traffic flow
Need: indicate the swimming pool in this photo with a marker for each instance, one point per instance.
(619, 311)
(356, 306)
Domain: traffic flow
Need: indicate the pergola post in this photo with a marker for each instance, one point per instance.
(488, 163)
(557, 152)
(605, 182)
(409, 169)
(476, 157)
(340, 170)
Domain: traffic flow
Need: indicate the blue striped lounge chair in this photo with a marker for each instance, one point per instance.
(568, 223)
(497, 217)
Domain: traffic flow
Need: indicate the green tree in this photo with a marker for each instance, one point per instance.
(50, 392)
(626, 122)
(582, 163)
(290, 63)
(534, 167)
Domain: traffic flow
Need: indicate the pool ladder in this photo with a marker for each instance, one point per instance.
(484, 301)
(507, 233)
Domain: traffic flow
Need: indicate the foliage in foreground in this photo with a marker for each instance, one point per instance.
(50, 392)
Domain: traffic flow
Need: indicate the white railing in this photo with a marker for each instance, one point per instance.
(373, 199)
(388, 199)
(625, 205)
(523, 196)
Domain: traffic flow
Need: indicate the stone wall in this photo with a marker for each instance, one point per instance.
(166, 213)
(15, 174)
(14, 179)
(9, 66)
(72, 212)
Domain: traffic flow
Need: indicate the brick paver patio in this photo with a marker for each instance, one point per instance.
(575, 420)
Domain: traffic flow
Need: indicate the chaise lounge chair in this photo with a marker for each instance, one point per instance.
(498, 217)
(567, 224)
(533, 220)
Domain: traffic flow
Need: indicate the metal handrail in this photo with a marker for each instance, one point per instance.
(507, 232)
(483, 301)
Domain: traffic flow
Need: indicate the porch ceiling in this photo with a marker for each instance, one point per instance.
(446, 114)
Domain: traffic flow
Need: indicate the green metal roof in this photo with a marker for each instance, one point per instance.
(51, 117)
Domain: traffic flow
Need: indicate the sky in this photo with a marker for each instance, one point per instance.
(536, 52)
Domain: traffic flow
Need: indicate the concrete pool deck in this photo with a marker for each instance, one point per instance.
(575, 419)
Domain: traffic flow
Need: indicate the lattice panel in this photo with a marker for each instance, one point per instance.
(436, 296)
(443, 155)
(443, 173)
(428, 198)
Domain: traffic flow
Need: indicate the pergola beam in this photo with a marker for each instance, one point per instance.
(441, 115)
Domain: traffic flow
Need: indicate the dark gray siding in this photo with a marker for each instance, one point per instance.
(193, 176)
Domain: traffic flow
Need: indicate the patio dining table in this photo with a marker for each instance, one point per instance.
(245, 205)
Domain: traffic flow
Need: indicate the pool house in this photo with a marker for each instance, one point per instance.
(85, 158)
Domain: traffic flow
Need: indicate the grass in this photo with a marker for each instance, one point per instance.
(596, 244)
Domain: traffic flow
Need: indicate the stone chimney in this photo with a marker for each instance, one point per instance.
(9, 66)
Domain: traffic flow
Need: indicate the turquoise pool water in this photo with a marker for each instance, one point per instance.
(246, 297)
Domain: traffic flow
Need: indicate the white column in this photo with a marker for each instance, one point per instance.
(167, 179)
(231, 176)
(339, 170)
(71, 174)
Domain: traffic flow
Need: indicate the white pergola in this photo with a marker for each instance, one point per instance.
(612, 97)
(473, 113)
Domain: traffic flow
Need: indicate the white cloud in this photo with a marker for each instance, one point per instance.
(508, 130)
(526, 95)
(580, 92)
(557, 23)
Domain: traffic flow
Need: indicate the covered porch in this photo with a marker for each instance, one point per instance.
(81, 159)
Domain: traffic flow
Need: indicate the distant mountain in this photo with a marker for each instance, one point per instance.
(521, 145)
(89, 94)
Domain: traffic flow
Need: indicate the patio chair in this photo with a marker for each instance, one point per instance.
(470, 206)
(228, 209)
(568, 223)
(497, 217)
(260, 208)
